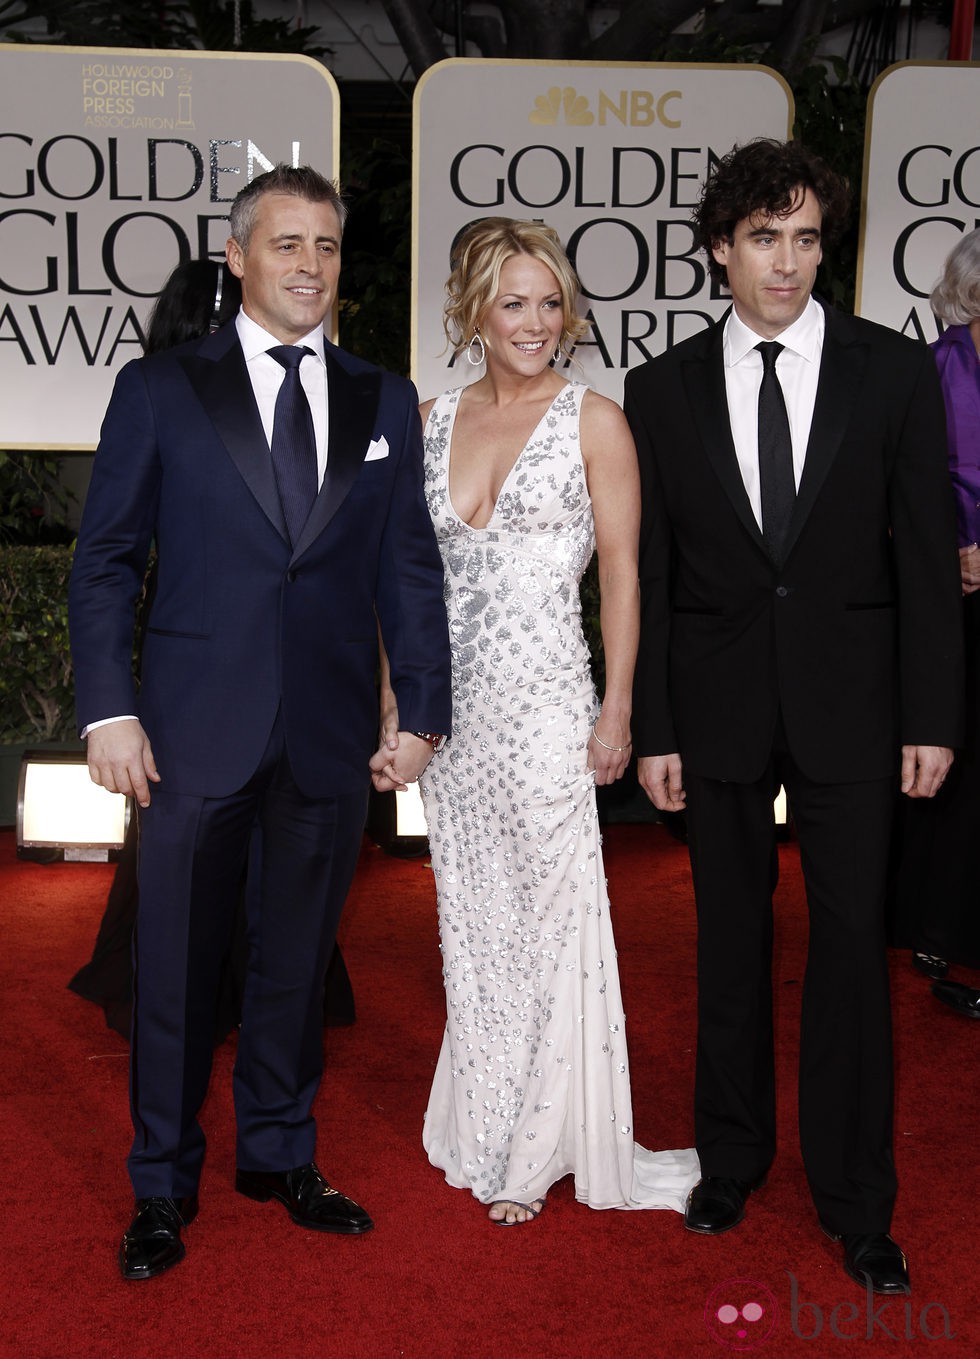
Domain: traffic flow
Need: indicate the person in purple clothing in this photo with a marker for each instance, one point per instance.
(937, 889)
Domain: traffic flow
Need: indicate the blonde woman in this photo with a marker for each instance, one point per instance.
(527, 474)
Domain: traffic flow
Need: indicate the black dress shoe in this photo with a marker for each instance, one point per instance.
(963, 999)
(930, 965)
(152, 1242)
(717, 1204)
(874, 1260)
(307, 1197)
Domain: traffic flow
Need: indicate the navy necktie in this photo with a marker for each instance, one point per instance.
(293, 441)
(777, 483)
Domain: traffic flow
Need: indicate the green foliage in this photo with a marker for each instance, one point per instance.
(33, 503)
(830, 113)
(100, 23)
(208, 24)
(376, 278)
(36, 698)
(704, 44)
(212, 23)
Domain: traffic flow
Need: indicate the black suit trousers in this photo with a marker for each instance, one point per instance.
(937, 874)
(845, 1065)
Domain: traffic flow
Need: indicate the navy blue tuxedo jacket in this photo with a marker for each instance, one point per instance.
(856, 640)
(242, 623)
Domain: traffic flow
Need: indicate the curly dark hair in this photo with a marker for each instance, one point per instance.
(763, 179)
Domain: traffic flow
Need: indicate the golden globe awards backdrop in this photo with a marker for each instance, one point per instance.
(612, 156)
(921, 187)
(115, 165)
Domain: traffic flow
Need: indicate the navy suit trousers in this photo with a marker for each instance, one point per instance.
(301, 856)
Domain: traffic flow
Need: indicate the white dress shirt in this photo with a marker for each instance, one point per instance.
(266, 376)
(798, 370)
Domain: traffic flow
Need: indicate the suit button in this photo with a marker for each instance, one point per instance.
(290, 576)
(782, 591)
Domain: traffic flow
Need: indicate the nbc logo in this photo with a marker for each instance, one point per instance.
(631, 108)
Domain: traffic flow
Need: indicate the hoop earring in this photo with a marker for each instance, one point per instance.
(558, 355)
(477, 339)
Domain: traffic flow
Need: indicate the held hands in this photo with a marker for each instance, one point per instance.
(120, 759)
(395, 764)
(924, 769)
(661, 778)
(401, 756)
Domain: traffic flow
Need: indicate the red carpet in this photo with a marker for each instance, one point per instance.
(435, 1279)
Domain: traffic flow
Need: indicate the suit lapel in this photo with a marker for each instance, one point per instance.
(353, 406)
(704, 382)
(220, 378)
(842, 365)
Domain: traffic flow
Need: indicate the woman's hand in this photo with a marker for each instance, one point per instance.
(398, 763)
(610, 748)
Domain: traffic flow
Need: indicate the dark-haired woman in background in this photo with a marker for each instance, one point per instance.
(199, 295)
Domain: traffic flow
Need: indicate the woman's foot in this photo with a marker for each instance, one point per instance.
(507, 1213)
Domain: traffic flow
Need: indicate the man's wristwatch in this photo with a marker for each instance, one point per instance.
(434, 739)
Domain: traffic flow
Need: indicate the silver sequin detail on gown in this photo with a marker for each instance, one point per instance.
(532, 1081)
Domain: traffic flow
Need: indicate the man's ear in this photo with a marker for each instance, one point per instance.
(719, 249)
(235, 256)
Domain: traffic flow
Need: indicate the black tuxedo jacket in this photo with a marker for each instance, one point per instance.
(856, 639)
(243, 625)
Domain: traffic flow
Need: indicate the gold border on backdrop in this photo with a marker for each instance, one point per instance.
(652, 69)
(869, 128)
(157, 56)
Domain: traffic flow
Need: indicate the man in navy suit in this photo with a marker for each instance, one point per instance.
(800, 625)
(280, 480)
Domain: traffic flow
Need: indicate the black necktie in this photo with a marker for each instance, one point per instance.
(776, 480)
(293, 441)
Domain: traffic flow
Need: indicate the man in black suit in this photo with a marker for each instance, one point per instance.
(800, 625)
(281, 481)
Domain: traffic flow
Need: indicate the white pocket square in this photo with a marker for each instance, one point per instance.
(377, 448)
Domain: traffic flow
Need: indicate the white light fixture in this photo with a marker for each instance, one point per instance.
(396, 822)
(410, 814)
(61, 813)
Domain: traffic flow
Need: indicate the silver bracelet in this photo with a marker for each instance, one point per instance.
(608, 747)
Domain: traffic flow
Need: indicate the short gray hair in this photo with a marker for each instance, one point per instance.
(299, 181)
(956, 297)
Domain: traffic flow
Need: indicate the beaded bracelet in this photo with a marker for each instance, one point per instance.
(608, 747)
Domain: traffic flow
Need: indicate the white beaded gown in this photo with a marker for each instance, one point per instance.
(532, 1081)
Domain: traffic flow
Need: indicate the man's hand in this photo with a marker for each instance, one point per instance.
(924, 769)
(120, 759)
(398, 761)
(661, 778)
